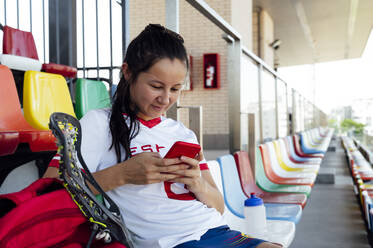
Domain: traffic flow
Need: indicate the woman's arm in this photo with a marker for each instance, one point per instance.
(144, 168)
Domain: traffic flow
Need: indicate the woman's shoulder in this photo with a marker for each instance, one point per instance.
(169, 123)
(98, 114)
(96, 117)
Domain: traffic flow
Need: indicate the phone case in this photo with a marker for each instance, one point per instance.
(180, 148)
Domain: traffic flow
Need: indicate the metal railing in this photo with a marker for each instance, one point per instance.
(303, 113)
(235, 52)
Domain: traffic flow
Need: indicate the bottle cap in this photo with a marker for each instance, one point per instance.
(253, 201)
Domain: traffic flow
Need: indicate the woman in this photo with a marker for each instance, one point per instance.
(164, 202)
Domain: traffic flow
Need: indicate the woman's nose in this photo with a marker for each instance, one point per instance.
(164, 98)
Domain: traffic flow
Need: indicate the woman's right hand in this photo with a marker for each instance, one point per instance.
(150, 167)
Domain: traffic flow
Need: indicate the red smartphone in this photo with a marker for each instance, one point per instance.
(180, 148)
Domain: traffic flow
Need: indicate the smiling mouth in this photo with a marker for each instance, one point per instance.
(156, 107)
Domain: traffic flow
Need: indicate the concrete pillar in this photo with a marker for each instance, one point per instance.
(172, 23)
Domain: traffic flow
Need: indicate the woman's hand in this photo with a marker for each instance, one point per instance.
(200, 183)
(149, 167)
(191, 175)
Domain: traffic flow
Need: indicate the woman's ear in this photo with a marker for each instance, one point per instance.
(126, 71)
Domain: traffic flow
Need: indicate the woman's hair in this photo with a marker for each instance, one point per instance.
(154, 43)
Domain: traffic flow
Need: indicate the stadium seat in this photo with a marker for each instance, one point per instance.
(267, 185)
(43, 94)
(21, 43)
(308, 146)
(283, 157)
(19, 141)
(278, 175)
(234, 197)
(279, 231)
(90, 94)
(300, 152)
(248, 184)
(294, 157)
(13, 126)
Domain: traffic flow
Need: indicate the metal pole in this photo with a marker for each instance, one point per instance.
(172, 15)
(83, 38)
(57, 33)
(111, 48)
(277, 108)
(44, 30)
(125, 26)
(172, 23)
(97, 45)
(234, 94)
(30, 16)
(251, 141)
(5, 12)
(17, 14)
(260, 70)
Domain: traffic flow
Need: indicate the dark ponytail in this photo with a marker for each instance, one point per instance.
(154, 43)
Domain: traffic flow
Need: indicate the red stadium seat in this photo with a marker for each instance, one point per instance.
(248, 184)
(21, 43)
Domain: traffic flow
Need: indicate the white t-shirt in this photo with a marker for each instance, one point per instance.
(155, 217)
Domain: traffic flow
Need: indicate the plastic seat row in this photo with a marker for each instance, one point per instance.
(44, 93)
(24, 133)
(358, 164)
(20, 53)
(361, 172)
(283, 197)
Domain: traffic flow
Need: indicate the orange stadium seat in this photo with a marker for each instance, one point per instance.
(272, 176)
(14, 129)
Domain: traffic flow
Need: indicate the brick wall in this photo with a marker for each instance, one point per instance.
(201, 36)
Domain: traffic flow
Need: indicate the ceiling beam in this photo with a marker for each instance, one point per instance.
(302, 18)
(351, 25)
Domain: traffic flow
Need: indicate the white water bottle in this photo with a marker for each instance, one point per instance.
(255, 216)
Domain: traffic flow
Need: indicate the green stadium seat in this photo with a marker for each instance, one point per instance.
(90, 94)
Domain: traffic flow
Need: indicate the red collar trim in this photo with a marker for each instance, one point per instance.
(150, 123)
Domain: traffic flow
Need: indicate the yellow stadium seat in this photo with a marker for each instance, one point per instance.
(43, 94)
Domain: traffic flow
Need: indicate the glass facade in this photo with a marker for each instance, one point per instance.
(282, 111)
(268, 106)
(249, 98)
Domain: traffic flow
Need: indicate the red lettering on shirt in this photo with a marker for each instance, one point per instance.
(133, 150)
(158, 147)
(147, 148)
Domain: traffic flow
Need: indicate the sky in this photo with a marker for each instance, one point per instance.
(337, 83)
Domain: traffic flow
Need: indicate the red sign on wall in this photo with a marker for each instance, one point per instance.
(211, 71)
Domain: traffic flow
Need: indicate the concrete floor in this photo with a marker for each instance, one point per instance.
(332, 216)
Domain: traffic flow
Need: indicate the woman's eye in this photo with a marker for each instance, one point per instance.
(175, 89)
(156, 87)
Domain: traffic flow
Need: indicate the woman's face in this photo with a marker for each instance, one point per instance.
(156, 90)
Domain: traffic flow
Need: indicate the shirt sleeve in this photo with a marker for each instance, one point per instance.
(55, 162)
(94, 140)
